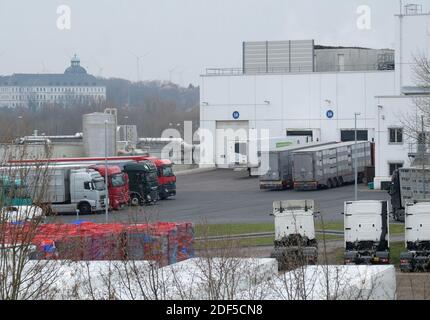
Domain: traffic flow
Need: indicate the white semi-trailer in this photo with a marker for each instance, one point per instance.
(417, 237)
(330, 166)
(367, 239)
(65, 189)
(295, 240)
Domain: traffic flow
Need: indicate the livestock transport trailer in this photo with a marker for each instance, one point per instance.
(330, 166)
(278, 166)
(407, 186)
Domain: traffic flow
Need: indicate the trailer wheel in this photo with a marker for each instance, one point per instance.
(84, 208)
(329, 184)
(340, 181)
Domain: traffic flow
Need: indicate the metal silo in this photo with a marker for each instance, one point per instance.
(95, 135)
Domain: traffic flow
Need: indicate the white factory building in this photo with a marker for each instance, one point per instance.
(74, 86)
(298, 88)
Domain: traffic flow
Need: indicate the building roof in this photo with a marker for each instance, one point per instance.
(75, 75)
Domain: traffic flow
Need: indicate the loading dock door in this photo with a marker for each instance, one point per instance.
(230, 136)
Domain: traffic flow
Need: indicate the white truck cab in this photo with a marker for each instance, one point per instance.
(366, 226)
(87, 185)
(417, 237)
(295, 240)
(294, 217)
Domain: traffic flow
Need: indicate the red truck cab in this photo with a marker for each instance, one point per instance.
(117, 185)
(166, 177)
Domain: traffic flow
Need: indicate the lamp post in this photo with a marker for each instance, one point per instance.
(355, 158)
(106, 176)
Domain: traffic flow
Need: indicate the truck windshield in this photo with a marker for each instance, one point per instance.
(118, 180)
(99, 185)
(168, 171)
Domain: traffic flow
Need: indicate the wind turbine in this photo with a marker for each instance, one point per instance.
(138, 63)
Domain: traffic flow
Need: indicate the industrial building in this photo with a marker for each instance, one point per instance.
(297, 88)
(74, 86)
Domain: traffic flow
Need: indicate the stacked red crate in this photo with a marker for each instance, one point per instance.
(163, 242)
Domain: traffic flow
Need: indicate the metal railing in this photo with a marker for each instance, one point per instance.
(300, 69)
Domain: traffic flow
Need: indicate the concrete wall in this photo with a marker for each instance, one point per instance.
(412, 39)
(396, 111)
(295, 101)
(326, 60)
(41, 151)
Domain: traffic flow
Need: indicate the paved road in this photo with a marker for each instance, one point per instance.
(224, 196)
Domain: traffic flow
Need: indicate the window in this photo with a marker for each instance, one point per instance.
(341, 62)
(349, 135)
(396, 135)
(167, 171)
(394, 166)
(118, 180)
(299, 133)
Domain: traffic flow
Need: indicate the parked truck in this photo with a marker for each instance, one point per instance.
(166, 176)
(408, 185)
(16, 203)
(117, 185)
(417, 237)
(330, 166)
(65, 190)
(143, 182)
(279, 169)
(14, 192)
(367, 238)
(247, 153)
(295, 241)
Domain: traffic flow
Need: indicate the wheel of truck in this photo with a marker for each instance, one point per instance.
(84, 208)
(336, 183)
(329, 184)
(135, 200)
(340, 181)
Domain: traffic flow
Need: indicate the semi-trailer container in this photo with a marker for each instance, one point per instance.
(330, 166)
(279, 167)
(408, 185)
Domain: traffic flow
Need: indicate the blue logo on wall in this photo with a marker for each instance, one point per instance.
(330, 114)
(236, 115)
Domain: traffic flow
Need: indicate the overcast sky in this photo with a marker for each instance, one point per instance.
(189, 35)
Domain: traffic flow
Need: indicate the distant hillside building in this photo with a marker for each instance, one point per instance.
(74, 86)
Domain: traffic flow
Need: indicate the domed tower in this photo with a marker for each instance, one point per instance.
(75, 67)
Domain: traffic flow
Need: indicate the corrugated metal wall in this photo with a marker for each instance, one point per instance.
(278, 56)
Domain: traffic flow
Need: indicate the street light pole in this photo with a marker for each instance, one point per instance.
(423, 149)
(106, 176)
(355, 158)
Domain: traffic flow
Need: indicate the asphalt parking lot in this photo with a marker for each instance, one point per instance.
(224, 196)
